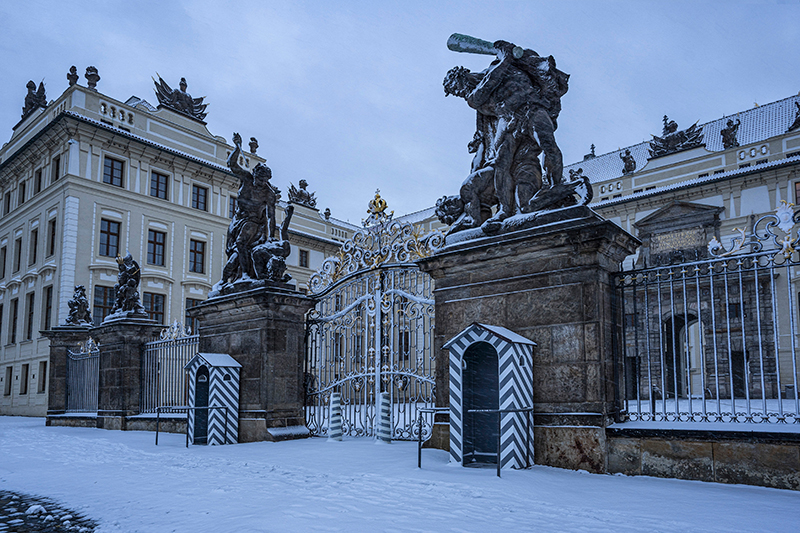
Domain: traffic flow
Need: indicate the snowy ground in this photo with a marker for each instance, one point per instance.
(126, 483)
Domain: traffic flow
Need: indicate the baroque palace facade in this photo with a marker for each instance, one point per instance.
(86, 178)
(714, 177)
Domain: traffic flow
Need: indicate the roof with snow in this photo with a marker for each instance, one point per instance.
(499, 331)
(757, 124)
(217, 360)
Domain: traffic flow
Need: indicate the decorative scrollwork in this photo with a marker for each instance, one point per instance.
(175, 331)
(88, 346)
(384, 242)
(785, 219)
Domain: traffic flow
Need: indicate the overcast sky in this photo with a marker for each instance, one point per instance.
(348, 95)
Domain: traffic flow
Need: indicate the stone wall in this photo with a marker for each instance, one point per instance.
(747, 457)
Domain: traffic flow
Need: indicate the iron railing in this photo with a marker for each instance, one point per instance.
(83, 378)
(164, 380)
(715, 339)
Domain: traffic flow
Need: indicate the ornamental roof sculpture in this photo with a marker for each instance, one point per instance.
(382, 242)
(34, 99)
(301, 196)
(672, 140)
(796, 123)
(179, 100)
(729, 132)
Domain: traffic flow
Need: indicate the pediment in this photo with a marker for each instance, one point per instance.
(679, 215)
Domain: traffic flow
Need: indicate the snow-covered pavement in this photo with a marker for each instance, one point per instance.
(126, 483)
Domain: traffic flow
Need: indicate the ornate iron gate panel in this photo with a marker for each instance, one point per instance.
(372, 329)
(83, 378)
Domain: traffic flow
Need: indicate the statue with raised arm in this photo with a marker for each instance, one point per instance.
(517, 100)
(126, 290)
(729, 132)
(253, 222)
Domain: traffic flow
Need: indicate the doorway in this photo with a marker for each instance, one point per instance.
(481, 391)
(201, 400)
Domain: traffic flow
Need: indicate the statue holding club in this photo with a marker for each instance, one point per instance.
(517, 100)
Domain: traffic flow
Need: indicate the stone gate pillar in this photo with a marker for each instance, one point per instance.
(121, 345)
(551, 284)
(264, 330)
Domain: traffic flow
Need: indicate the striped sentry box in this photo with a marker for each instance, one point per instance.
(223, 391)
(514, 390)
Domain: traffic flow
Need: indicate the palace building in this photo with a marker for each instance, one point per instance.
(86, 178)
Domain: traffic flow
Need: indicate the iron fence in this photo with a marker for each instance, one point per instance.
(715, 339)
(164, 380)
(83, 378)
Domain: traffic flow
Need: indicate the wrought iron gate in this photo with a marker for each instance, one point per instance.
(372, 329)
(83, 378)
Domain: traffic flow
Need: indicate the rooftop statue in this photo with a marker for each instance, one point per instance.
(253, 145)
(72, 75)
(796, 123)
(672, 140)
(729, 132)
(34, 99)
(179, 100)
(628, 162)
(252, 241)
(79, 314)
(517, 100)
(301, 196)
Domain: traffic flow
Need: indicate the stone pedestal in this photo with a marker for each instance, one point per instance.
(264, 330)
(121, 345)
(550, 284)
(62, 339)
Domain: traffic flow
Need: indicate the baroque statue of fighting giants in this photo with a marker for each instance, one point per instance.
(79, 314)
(256, 255)
(126, 291)
(517, 101)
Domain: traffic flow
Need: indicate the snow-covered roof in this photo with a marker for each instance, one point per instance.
(757, 124)
(499, 331)
(699, 181)
(216, 360)
(417, 216)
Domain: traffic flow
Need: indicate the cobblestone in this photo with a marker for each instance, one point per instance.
(22, 513)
